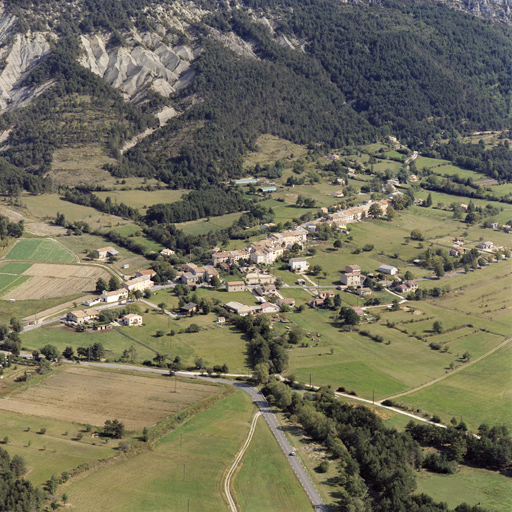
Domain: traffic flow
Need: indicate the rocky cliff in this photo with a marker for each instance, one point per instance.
(496, 10)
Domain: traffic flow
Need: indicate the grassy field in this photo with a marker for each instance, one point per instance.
(270, 149)
(142, 199)
(187, 464)
(423, 161)
(489, 489)
(481, 393)
(14, 268)
(265, 467)
(9, 281)
(453, 170)
(40, 250)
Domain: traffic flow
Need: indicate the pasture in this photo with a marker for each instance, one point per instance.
(481, 393)
(142, 199)
(33, 249)
(264, 466)
(83, 395)
(184, 470)
(270, 149)
(489, 489)
(14, 268)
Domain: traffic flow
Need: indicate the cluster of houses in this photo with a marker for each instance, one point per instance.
(191, 274)
(140, 282)
(343, 217)
(88, 316)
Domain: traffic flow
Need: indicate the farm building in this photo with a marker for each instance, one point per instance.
(220, 320)
(106, 252)
(299, 264)
(131, 319)
(388, 269)
(267, 189)
(485, 245)
(83, 316)
(238, 308)
(246, 181)
(114, 296)
(235, 286)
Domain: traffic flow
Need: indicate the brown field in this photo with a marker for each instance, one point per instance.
(50, 281)
(83, 395)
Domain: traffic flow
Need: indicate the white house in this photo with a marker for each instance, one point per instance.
(114, 296)
(131, 319)
(167, 252)
(82, 316)
(139, 284)
(298, 264)
(106, 252)
(388, 269)
(235, 286)
(268, 307)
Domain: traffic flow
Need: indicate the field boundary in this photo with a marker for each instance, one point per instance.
(452, 372)
(75, 257)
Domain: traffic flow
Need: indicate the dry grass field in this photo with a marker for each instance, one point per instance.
(83, 395)
(49, 281)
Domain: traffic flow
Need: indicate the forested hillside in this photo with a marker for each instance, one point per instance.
(344, 75)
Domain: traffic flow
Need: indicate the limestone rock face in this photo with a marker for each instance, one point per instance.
(145, 62)
(497, 10)
(19, 53)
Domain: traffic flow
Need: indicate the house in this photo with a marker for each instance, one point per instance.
(188, 278)
(141, 273)
(125, 266)
(316, 303)
(353, 269)
(189, 308)
(418, 202)
(485, 245)
(220, 320)
(259, 278)
(208, 273)
(91, 302)
(352, 279)
(363, 291)
(338, 194)
(322, 210)
(464, 206)
(106, 252)
(407, 287)
(459, 241)
(310, 226)
(235, 286)
(326, 294)
(83, 316)
(388, 269)
(268, 307)
(230, 257)
(131, 320)
(359, 311)
(139, 284)
(238, 308)
(494, 225)
(167, 252)
(413, 178)
(456, 251)
(114, 296)
(340, 181)
(190, 267)
(298, 264)
(268, 225)
(267, 189)
(286, 302)
(265, 289)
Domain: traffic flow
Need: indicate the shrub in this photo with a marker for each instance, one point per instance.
(323, 467)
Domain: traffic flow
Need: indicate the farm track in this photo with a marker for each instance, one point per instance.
(456, 370)
(238, 458)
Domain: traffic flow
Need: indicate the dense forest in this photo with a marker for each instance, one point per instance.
(376, 464)
(17, 494)
(419, 71)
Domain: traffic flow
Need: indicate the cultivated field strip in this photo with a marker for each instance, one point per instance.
(90, 396)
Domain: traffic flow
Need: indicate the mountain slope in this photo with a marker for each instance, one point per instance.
(315, 71)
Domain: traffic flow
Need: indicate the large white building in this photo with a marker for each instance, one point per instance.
(139, 284)
(114, 296)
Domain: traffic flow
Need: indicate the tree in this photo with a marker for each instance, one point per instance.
(98, 352)
(18, 466)
(16, 324)
(416, 234)
(466, 357)
(215, 282)
(199, 363)
(138, 294)
(113, 283)
(337, 301)
(68, 353)
(101, 285)
(50, 352)
(428, 201)
(348, 316)
(159, 333)
(162, 307)
(408, 276)
(261, 373)
(114, 429)
(375, 211)
(439, 269)
(337, 244)
(4, 331)
(295, 335)
(438, 327)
